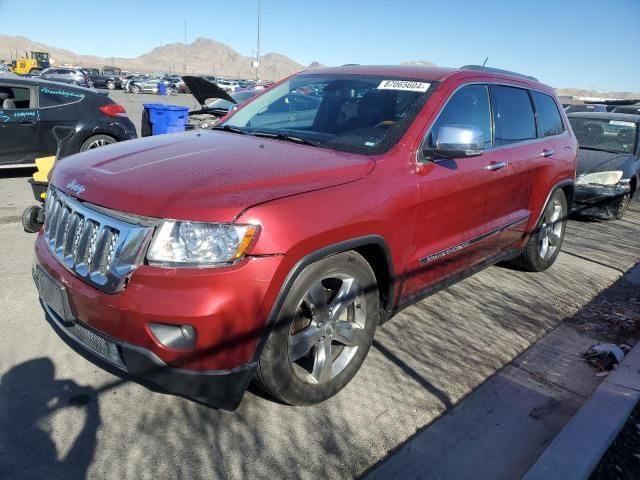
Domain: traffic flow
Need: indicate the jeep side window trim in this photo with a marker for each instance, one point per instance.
(548, 118)
(468, 106)
(513, 115)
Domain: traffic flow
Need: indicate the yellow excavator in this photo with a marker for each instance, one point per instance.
(33, 63)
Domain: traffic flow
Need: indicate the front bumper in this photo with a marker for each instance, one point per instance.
(228, 308)
(221, 389)
(592, 195)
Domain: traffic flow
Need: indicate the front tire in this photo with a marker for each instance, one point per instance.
(111, 85)
(323, 331)
(135, 89)
(545, 242)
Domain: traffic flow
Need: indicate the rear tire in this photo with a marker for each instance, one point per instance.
(97, 141)
(323, 331)
(545, 242)
(111, 85)
(135, 89)
(30, 221)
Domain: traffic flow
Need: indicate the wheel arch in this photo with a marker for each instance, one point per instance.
(375, 251)
(568, 187)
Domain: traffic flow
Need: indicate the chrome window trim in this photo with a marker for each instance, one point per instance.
(420, 161)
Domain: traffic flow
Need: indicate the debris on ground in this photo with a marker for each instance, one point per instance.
(613, 314)
(604, 356)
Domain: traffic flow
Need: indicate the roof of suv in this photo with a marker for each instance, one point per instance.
(424, 73)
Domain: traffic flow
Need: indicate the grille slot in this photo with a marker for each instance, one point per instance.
(99, 249)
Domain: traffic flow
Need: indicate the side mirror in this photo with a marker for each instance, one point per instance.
(456, 141)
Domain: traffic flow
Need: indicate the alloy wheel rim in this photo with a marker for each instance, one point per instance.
(98, 143)
(551, 230)
(328, 329)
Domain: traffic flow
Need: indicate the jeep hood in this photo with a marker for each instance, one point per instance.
(590, 161)
(205, 176)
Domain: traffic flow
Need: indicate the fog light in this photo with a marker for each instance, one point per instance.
(174, 336)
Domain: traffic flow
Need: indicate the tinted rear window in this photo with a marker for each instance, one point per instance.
(547, 114)
(513, 115)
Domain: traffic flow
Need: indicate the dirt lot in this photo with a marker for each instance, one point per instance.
(62, 416)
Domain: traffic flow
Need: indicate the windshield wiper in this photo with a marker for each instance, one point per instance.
(288, 138)
(229, 128)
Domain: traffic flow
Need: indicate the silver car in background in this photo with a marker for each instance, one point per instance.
(141, 85)
(73, 76)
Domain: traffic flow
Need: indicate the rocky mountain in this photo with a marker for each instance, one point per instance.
(204, 56)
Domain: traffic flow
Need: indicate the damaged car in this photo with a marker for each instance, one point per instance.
(214, 101)
(608, 165)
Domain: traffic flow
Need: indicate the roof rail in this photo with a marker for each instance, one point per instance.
(351, 65)
(497, 70)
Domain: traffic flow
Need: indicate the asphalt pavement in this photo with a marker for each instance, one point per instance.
(62, 416)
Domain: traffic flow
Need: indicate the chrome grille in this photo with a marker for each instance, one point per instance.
(99, 249)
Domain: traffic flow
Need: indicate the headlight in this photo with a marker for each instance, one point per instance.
(600, 178)
(196, 244)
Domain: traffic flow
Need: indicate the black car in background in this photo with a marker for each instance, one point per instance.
(30, 108)
(586, 107)
(102, 80)
(608, 168)
(632, 109)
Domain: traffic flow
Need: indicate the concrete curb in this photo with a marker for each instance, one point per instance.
(578, 448)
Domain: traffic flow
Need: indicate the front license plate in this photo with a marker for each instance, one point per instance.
(53, 294)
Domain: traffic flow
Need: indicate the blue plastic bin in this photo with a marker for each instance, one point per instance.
(162, 88)
(166, 118)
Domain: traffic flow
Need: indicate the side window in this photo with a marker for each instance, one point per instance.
(56, 96)
(15, 98)
(469, 106)
(547, 114)
(512, 114)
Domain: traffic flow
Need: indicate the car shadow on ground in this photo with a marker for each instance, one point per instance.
(33, 402)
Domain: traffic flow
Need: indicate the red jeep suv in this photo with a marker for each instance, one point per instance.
(271, 247)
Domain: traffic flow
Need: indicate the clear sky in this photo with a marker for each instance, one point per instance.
(592, 44)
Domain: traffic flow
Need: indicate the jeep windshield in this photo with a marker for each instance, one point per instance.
(351, 113)
(606, 135)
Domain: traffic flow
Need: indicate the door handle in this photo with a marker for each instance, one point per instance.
(547, 152)
(495, 166)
